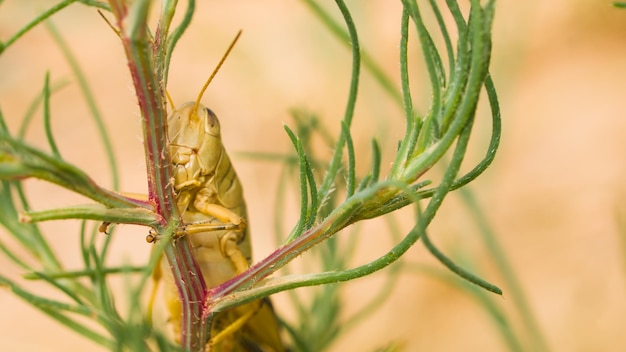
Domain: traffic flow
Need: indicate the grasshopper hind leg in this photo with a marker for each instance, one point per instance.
(248, 328)
(230, 248)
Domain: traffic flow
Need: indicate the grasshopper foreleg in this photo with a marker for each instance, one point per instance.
(206, 203)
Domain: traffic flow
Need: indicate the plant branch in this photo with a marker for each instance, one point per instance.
(146, 64)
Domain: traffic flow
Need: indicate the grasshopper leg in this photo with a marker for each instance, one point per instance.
(233, 327)
(228, 245)
(205, 203)
(156, 277)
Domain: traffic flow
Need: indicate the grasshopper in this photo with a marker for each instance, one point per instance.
(209, 196)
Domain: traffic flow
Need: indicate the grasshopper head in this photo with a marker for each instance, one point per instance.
(195, 140)
(195, 143)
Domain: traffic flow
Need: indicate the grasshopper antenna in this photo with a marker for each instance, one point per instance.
(217, 68)
(170, 100)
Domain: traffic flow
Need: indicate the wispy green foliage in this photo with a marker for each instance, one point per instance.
(333, 195)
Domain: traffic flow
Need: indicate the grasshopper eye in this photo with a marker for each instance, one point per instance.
(211, 117)
(211, 123)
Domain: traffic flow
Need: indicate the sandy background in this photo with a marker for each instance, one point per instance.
(552, 195)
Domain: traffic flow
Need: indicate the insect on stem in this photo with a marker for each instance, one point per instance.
(210, 200)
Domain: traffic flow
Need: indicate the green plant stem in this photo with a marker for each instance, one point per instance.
(173, 38)
(46, 117)
(367, 60)
(148, 81)
(137, 216)
(335, 163)
(19, 161)
(385, 289)
(401, 200)
(80, 273)
(150, 96)
(58, 312)
(90, 100)
(45, 15)
(32, 108)
(37, 20)
(337, 220)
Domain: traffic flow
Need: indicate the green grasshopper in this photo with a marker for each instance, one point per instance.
(209, 196)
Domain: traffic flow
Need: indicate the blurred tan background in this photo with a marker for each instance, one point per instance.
(553, 194)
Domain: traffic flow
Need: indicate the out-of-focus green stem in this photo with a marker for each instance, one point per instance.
(18, 161)
(90, 100)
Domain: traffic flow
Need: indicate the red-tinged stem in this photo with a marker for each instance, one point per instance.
(194, 332)
(280, 257)
(150, 96)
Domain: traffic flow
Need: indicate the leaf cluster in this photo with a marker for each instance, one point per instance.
(324, 211)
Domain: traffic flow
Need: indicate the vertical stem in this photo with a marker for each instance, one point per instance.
(150, 97)
(148, 83)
